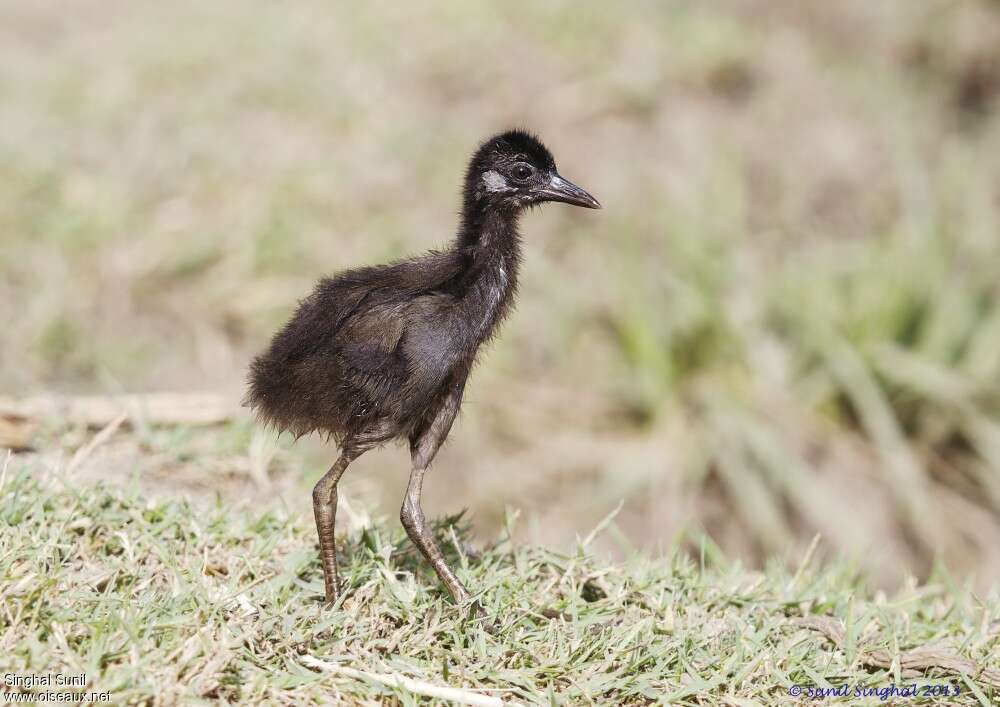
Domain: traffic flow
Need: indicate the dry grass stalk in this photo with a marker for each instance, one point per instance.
(99, 410)
(920, 659)
(417, 687)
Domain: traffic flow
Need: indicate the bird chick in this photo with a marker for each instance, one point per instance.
(381, 353)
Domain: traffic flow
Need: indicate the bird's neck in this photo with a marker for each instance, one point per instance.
(490, 248)
(490, 240)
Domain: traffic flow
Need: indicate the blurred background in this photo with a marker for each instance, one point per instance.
(785, 322)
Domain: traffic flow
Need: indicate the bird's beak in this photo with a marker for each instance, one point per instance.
(559, 189)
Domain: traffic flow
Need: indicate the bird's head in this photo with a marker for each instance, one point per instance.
(514, 169)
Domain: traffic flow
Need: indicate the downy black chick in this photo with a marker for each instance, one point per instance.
(383, 352)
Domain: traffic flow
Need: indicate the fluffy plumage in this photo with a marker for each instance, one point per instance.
(368, 355)
(383, 352)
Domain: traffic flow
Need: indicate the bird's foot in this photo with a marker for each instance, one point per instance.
(332, 592)
(482, 619)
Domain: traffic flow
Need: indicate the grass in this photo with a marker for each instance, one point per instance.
(165, 602)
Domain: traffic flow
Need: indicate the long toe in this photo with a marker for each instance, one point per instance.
(482, 619)
(333, 592)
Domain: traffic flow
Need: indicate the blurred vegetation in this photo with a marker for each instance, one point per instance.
(785, 321)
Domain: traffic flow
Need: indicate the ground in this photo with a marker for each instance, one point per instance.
(211, 599)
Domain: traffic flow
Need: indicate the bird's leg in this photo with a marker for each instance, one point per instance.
(422, 450)
(325, 509)
(412, 516)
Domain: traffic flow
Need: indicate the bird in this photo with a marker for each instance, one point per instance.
(382, 353)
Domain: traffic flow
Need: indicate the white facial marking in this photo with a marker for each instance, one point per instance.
(495, 181)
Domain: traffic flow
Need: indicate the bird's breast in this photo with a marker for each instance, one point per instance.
(444, 332)
(488, 299)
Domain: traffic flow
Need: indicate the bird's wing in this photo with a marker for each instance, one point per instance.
(369, 337)
(372, 308)
(355, 293)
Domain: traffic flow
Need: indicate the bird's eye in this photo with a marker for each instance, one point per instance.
(521, 171)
